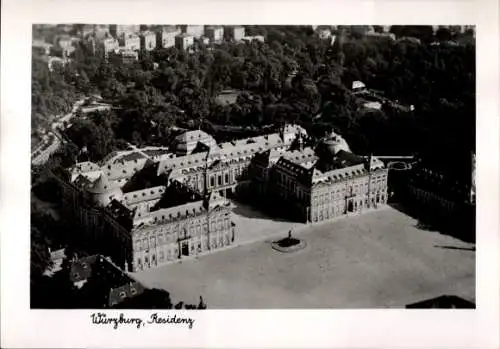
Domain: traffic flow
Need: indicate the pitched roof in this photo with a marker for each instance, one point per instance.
(147, 194)
(100, 186)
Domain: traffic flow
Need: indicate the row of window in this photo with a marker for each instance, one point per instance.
(169, 237)
(326, 214)
(173, 253)
(353, 206)
(340, 192)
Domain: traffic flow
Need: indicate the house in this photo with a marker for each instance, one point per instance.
(130, 41)
(184, 41)
(235, 33)
(358, 86)
(166, 37)
(118, 30)
(148, 40)
(214, 33)
(196, 31)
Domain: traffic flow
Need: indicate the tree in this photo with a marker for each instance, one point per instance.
(40, 255)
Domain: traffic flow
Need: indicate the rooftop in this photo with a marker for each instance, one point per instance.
(177, 194)
(114, 284)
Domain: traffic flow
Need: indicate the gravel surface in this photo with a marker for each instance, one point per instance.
(378, 259)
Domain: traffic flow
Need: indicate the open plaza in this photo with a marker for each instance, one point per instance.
(378, 259)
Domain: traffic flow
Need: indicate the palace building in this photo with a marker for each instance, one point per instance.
(151, 206)
(322, 183)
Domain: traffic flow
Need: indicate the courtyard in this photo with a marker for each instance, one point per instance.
(376, 260)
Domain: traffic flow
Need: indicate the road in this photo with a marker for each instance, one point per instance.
(50, 144)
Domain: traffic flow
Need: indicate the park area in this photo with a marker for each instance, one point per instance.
(379, 259)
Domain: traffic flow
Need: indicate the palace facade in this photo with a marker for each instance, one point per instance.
(320, 184)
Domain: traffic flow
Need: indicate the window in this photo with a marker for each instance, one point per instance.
(226, 178)
(219, 180)
(145, 244)
(153, 241)
(212, 181)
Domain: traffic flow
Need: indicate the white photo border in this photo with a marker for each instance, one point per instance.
(22, 327)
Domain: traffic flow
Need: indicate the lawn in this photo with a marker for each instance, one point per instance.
(378, 259)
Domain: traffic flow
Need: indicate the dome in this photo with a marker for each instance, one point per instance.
(103, 191)
(333, 143)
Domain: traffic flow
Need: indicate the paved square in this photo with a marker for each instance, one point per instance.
(378, 259)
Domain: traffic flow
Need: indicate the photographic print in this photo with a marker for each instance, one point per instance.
(253, 166)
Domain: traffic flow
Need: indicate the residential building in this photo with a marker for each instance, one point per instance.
(410, 39)
(130, 41)
(235, 33)
(184, 41)
(166, 37)
(109, 45)
(117, 30)
(196, 31)
(214, 33)
(148, 41)
(127, 56)
(358, 86)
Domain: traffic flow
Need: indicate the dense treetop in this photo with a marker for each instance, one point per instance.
(294, 77)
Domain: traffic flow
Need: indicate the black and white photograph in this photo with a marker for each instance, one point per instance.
(253, 167)
(250, 174)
